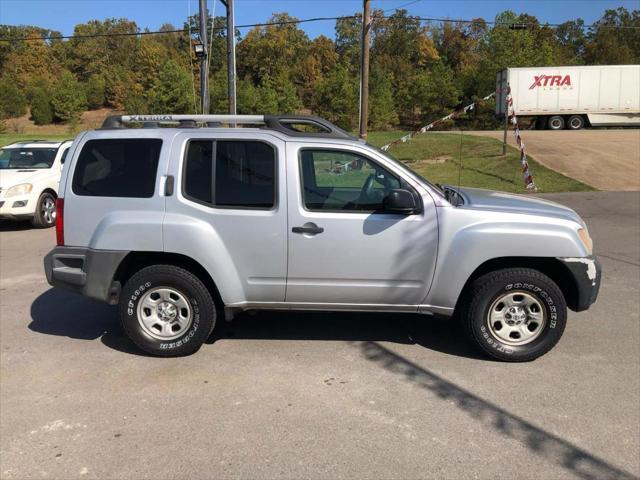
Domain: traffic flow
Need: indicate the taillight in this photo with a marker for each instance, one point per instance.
(60, 221)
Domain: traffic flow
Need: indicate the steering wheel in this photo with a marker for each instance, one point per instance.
(368, 188)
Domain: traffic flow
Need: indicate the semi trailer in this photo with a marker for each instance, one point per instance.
(572, 97)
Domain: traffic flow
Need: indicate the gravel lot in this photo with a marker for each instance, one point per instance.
(293, 395)
(604, 159)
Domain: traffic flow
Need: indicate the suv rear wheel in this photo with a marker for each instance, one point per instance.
(515, 314)
(45, 215)
(167, 311)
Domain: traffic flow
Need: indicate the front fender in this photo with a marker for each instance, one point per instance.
(468, 240)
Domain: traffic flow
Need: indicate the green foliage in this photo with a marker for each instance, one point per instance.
(417, 71)
(382, 109)
(41, 108)
(95, 92)
(435, 92)
(170, 91)
(336, 98)
(13, 102)
(610, 46)
(68, 99)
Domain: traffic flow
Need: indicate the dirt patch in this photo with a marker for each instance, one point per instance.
(604, 159)
(90, 120)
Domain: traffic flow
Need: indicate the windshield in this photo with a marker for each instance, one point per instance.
(27, 158)
(411, 172)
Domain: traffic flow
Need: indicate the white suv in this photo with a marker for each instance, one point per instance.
(29, 177)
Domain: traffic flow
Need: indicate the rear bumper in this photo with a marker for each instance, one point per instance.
(587, 275)
(85, 271)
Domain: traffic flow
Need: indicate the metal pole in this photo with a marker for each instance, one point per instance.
(364, 69)
(506, 126)
(204, 70)
(231, 56)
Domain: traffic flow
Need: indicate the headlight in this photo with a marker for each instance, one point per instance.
(586, 240)
(22, 189)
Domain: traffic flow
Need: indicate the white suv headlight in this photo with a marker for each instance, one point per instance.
(22, 189)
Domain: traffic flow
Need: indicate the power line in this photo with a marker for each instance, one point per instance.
(313, 19)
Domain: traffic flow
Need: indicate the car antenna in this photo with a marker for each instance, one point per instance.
(459, 170)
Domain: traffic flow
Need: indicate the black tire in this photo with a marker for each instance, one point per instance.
(575, 122)
(487, 289)
(541, 123)
(44, 216)
(555, 122)
(198, 303)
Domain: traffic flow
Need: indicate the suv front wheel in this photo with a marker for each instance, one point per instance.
(515, 314)
(167, 311)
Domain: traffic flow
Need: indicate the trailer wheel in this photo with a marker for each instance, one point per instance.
(555, 122)
(576, 122)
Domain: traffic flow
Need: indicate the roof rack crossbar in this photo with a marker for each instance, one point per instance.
(292, 125)
(118, 121)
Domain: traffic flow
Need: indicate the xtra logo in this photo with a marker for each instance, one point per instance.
(551, 81)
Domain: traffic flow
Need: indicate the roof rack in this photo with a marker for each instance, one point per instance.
(28, 140)
(293, 125)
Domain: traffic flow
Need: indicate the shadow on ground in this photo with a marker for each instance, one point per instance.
(57, 312)
(62, 313)
(550, 447)
(15, 225)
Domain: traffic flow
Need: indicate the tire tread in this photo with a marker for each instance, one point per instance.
(481, 288)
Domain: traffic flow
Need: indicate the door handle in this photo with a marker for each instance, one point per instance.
(309, 228)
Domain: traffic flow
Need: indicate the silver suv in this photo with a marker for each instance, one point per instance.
(184, 221)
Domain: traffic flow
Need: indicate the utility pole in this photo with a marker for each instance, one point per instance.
(231, 56)
(364, 69)
(204, 65)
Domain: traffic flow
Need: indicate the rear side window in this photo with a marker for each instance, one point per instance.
(117, 168)
(232, 174)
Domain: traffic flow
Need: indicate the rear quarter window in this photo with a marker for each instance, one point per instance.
(124, 167)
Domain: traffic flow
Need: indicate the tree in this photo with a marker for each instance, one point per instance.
(272, 50)
(41, 108)
(435, 92)
(615, 38)
(320, 58)
(336, 98)
(572, 41)
(95, 92)
(68, 99)
(13, 102)
(171, 91)
(382, 110)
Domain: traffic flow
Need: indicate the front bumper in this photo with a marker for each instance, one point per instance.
(587, 275)
(8, 211)
(85, 271)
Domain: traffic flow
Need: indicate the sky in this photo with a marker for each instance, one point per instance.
(63, 15)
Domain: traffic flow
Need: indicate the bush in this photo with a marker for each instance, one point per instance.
(41, 109)
(13, 102)
(68, 99)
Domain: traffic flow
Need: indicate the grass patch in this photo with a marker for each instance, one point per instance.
(7, 138)
(436, 156)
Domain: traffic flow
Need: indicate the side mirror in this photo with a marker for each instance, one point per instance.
(399, 201)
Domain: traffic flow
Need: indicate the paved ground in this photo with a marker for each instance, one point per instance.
(322, 395)
(604, 159)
